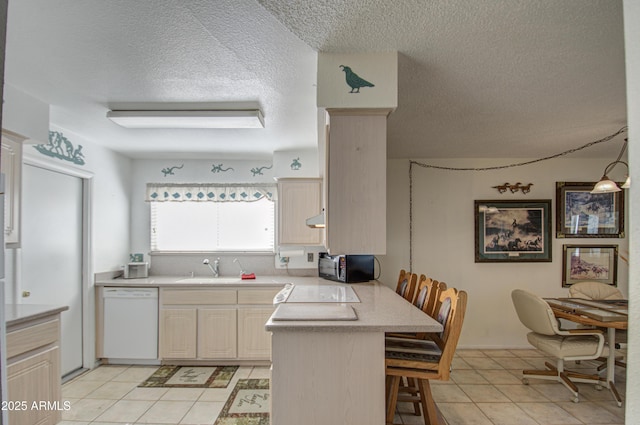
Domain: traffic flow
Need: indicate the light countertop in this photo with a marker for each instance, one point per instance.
(379, 309)
(19, 313)
(206, 281)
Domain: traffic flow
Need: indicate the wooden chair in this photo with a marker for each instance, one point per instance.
(425, 359)
(406, 287)
(434, 295)
(425, 299)
(427, 293)
(432, 305)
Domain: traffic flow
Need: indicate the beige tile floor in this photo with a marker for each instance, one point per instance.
(485, 389)
(110, 395)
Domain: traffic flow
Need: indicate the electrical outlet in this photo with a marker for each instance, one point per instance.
(310, 257)
(284, 260)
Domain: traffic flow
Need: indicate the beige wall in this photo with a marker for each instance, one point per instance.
(443, 237)
(632, 51)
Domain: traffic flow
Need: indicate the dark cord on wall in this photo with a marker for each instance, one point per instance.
(497, 167)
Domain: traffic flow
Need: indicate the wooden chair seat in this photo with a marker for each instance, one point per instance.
(412, 349)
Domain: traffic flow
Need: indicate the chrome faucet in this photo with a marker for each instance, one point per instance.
(216, 266)
(235, 260)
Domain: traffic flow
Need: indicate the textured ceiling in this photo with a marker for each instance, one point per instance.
(488, 78)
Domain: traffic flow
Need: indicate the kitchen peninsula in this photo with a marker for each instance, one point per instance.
(332, 371)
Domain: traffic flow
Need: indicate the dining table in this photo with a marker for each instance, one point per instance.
(609, 314)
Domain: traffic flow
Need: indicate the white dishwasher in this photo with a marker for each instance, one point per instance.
(130, 323)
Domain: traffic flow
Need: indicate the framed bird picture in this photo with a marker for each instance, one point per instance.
(512, 231)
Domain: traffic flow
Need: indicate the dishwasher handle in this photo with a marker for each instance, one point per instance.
(130, 292)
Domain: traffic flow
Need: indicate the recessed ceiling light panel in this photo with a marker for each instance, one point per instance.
(251, 118)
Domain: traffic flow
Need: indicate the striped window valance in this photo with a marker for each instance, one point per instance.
(209, 192)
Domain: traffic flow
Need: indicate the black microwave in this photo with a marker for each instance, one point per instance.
(346, 268)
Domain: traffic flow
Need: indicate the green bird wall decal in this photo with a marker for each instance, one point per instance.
(354, 81)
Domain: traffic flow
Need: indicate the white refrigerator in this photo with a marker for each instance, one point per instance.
(3, 329)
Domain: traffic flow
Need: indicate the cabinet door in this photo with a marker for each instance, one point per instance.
(35, 379)
(357, 172)
(217, 333)
(12, 168)
(299, 199)
(178, 333)
(254, 342)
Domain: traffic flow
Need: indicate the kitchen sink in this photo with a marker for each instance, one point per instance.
(210, 280)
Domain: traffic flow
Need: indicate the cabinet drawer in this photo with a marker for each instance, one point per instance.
(257, 296)
(35, 336)
(198, 296)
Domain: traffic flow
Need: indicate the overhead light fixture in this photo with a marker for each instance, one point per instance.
(242, 118)
(606, 185)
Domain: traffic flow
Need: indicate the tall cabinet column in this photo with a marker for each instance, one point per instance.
(356, 184)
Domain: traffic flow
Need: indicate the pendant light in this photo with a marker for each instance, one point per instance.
(606, 185)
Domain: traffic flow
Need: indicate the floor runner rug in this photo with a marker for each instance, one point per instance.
(248, 404)
(191, 377)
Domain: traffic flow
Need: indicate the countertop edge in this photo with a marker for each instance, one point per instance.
(174, 281)
(17, 314)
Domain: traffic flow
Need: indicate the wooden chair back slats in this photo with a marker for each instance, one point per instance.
(406, 287)
(434, 297)
(423, 292)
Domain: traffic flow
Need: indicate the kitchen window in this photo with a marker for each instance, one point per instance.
(212, 217)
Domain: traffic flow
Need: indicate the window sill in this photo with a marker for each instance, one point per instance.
(187, 253)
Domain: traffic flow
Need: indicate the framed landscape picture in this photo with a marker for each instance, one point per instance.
(582, 214)
(597, 263)
(512, 231)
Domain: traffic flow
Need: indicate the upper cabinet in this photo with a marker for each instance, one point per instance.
(299, 199)
(356, 181)
(12, 169)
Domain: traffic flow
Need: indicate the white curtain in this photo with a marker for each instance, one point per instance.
(209, 192)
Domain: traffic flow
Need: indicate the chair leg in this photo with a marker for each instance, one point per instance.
(570, 386)
(428, 405)
(615, 393)
(393, 398)
(411, 383)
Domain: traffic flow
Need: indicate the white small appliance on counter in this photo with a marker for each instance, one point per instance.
(136, 270)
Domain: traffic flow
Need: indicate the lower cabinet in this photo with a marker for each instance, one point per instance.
(178, 333)
(35, 383)
(215, 324)
(217, 333)
(33, 372)
(253, 341)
